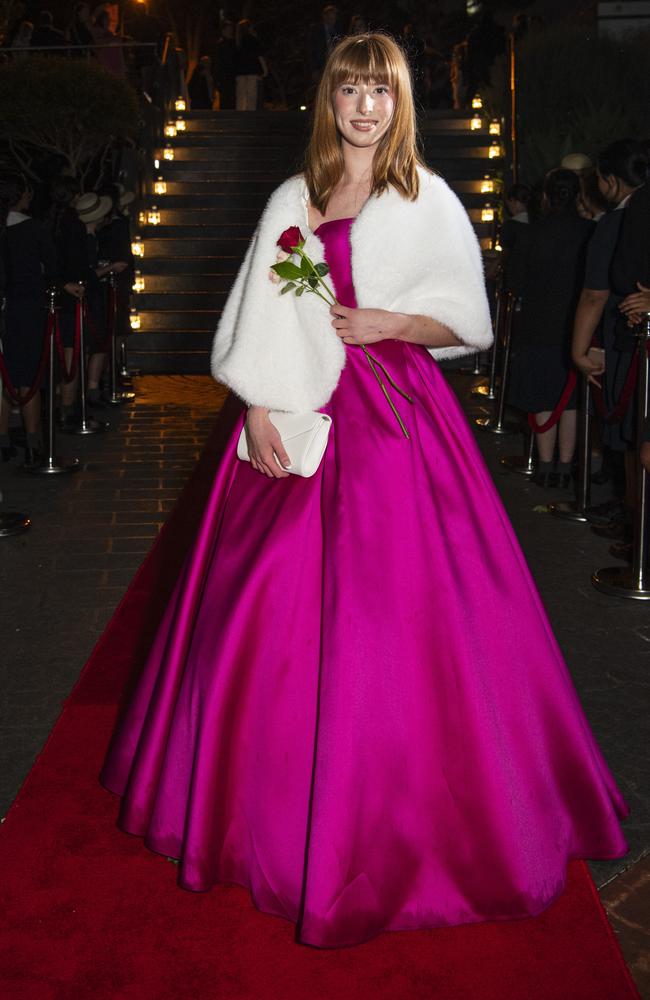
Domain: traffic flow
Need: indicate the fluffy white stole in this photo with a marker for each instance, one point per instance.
(418, 257)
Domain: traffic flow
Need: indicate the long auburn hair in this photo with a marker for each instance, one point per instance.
(369, 58)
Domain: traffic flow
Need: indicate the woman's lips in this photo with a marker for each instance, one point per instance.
(363, 126)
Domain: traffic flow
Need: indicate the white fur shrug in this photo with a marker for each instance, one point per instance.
(419, 257)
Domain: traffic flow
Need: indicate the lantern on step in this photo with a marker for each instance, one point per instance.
(477, 103)
(303, 107)
(153, 216)
(180, 125)
(495, 128)
(156, 163)
(170, 130)
(138, 282)
(476, 123)
(179, 104)
(487, 214)
(487, 185)
(137, 246)
(160, 187)
(168, 153)
(497, 246)
(134, 318)
(142, 217)
(495, 150)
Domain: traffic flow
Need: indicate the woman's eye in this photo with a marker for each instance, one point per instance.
(347, 90)
(381, 90)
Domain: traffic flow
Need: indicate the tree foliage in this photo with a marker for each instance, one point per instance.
(68, 108)
(576, 92)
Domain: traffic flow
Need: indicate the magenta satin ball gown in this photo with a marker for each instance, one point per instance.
(355, 705)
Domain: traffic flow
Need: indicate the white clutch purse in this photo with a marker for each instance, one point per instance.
(304, 436)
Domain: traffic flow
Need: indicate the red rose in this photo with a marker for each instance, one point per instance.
(290, 238)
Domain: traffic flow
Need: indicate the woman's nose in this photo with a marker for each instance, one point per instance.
(365, 103)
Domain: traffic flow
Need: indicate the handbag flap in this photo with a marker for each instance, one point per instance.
(293, 425)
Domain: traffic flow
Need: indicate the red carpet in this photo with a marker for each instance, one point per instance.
(90, 913)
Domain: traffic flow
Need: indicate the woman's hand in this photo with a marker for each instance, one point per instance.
(589, 367)
(264, 443)
(366, 326)
(634, 305)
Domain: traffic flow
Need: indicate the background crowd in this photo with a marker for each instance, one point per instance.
(577, 261)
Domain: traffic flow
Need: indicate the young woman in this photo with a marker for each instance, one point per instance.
(354, 705)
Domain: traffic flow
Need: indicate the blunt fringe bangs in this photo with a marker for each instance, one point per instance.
(369, 58)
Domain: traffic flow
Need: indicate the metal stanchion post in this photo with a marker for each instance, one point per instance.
(126, 373)
(52, 466)
(575, 510)
(523, 465)
(489, 391)
(86, 425)
(634, 581)
(477, 369)
(497, 424)
(117, 396)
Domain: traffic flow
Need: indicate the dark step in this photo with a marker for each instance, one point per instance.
(174, 362)
(214, 264)
(172, 319)
(232, 156)
(226, 182)
(179, 247)
(195, 229)
(219, 209)
(203, 297)
(189, 340)
(171, 284)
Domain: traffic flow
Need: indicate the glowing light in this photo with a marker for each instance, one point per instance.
(180, 125)
(156, 164)
(137, 247)
(134, 319)
(153, 216)
(487, 186)
(179, 104)
(495, 151)
(168, 153)
(303, 107)
(495, 128)
(142, 217)
(170, 130)
(476, 123)
(138, 282)
(497, 246)
(477, 103)
(487, 214)
(160, 187)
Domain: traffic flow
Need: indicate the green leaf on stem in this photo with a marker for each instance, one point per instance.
(322, 269)
(305, 265)
(288, 287)
(313, 282)
(287, 270)
(300, 290)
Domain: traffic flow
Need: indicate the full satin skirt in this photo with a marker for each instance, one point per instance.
(355, 705)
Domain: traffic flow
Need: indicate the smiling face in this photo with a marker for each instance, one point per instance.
(363, 112)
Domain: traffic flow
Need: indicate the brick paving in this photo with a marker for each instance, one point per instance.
(61, 581)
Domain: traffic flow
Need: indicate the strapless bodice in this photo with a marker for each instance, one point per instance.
(335, 237)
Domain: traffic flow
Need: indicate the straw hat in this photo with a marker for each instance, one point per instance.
(577, 162)
(92, 207)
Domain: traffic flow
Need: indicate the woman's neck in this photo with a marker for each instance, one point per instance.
(357, 164)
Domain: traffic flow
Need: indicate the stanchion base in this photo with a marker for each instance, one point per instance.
(518, 464)
(13, 523)
(484, 391)
(567, 510)
(476, 370)
(490, 425)
(57, 467)
(619, 582)
(91, 426)
(119, 398)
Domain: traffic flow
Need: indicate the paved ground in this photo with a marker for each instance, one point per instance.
(62, 580)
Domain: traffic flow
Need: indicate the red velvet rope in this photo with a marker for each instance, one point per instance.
(8, 385)
(560, 407)
(69, 376)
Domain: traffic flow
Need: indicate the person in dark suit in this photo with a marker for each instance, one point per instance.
(225, 59)
(320, 41)
(201, 86)
(29, 266)
(45, 35)
(541, 360)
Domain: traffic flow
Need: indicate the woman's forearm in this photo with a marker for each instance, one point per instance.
(415, 329)
(588, 314)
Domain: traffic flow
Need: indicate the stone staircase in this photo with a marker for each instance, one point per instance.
(225, 164)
